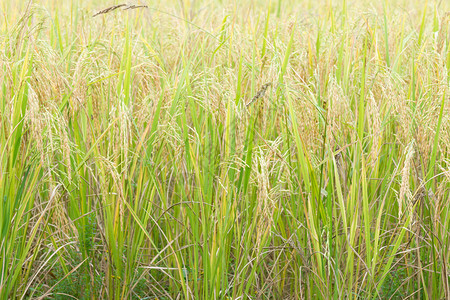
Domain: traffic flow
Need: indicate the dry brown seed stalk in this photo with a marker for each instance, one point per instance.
(109, 9)
(260, 93)
(127, 6)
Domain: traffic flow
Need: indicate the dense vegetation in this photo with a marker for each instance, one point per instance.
(215, 150)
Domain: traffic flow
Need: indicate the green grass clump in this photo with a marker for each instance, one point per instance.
(225, 150)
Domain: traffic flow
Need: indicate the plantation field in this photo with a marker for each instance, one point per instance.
(212, 149)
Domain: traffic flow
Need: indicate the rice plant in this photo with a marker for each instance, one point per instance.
(213, 149)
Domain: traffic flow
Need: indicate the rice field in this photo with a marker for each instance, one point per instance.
(211, 149)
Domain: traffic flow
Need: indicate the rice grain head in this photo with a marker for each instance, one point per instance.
(404, 186)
